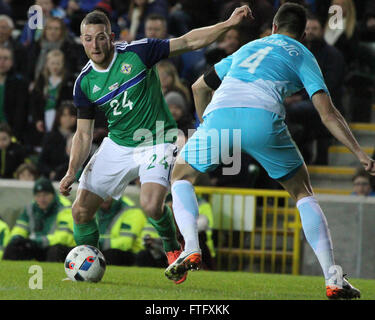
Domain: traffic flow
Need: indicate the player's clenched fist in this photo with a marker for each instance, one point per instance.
(369, 165)
(239, 14)
(66, 183)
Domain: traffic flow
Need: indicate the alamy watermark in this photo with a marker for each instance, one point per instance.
(35, 20)
(211, 148)
(36, 280)
(336, 276)
(336, 18)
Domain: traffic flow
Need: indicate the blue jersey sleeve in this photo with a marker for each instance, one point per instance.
(311, 76)
(223, 66)
(79, 98)
(85, 108)
(151, 51)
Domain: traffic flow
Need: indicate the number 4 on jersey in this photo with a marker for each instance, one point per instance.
(255, 59)
(116, 105)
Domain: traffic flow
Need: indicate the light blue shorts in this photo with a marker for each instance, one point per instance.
(258, 132)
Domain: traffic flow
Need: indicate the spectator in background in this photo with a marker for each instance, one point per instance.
(185, 15)
(75, 11)
(179, 109)
(5, 8)
(133, 23)
(367, 25)
(230, 43)
(170, 80)
(13, 95)
(362, 183)
(4, 236)
(54, 37)
(330, 60)
(262, 10)
(63, 167)
(106, 7)
(26, 172)
(49, 9)
(53, 86)
(12, 154)
(120, 227)
(156, 27)
(180, 101)
(44, 230)
(345, 39)
(53, 158)
(303, 119)
(152, 253)
(6, 40)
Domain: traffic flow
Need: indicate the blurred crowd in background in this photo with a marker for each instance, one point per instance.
(38, 68)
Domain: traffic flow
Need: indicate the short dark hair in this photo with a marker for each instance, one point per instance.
(26, 166)
(97, 17)
(64, 105)
(291, 17)
(311, 16)
(156, 16)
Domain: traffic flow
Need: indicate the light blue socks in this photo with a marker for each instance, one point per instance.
(186, 212)
(317, 234)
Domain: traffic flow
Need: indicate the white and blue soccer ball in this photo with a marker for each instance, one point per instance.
(85, 263)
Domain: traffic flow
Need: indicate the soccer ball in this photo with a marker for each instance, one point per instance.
(85, 263)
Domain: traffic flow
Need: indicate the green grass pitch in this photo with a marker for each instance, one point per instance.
(133, 283)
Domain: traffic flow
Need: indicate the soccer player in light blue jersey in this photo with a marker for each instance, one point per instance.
(250, 86)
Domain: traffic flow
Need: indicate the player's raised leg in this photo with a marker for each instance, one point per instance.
(85, 228)
(185, 208)
(317, 233)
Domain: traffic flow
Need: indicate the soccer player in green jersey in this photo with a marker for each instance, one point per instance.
(121, 80)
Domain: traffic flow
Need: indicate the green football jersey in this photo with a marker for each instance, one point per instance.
(129, 93)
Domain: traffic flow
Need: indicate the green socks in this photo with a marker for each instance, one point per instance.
(87, 233)
(166, 229)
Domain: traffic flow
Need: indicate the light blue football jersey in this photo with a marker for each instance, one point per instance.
(265, 71)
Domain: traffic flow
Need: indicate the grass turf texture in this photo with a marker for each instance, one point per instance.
(133, 283)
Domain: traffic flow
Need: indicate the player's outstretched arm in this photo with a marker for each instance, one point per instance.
(336, 124)
(81, 145)
(202, 94)
(198, 38)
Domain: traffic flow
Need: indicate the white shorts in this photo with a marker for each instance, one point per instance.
(113, 167)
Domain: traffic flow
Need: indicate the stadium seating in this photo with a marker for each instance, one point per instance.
(336, 177)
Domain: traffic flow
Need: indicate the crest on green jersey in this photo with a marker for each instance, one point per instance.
(126, 68)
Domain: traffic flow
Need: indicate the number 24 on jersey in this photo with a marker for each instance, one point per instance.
(116, 105)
